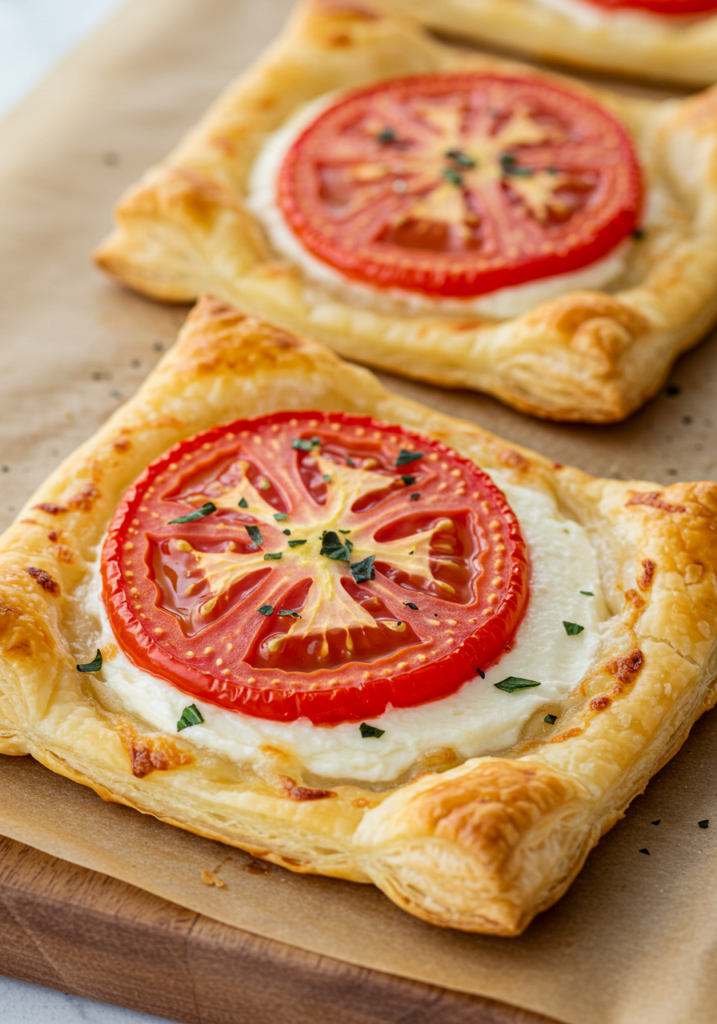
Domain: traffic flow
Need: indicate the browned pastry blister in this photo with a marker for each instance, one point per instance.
(586, 356)
(482, 845)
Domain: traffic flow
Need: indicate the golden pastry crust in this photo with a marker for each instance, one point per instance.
(482, 846)
(663, 49)
(587, 356)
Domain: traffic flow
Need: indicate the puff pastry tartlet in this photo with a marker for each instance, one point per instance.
(477, 843)
(585, 354)
(662, 40)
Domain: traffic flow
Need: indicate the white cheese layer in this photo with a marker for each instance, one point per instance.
(650, 24)
(500, 304)
(477, 719)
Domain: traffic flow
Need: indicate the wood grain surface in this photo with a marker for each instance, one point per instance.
(82, 932)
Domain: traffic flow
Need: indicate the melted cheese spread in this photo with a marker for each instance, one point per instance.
(500, 304)
(478, 719)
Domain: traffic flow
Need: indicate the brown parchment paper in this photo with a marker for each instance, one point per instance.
(634, 940)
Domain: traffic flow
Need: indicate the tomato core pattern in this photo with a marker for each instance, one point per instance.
(313, 564)
(688, 8)
(457, 185)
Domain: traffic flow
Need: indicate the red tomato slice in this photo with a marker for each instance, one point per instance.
(332, 576)
(461, 184)
(262, 606)
(669, 7)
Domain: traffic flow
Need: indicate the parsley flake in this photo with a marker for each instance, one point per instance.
(386, 137)
(513, 683)
(287, 532)
(461, 158)
(408, 480)
(92, 666)
(405, 457)
(190, 716)
(350, 461)
(243, 503)
(363, 571)
(509, 166)
(305, 444)
(272, 554)
(452, 175)
(481, 673)
(205, 510)
(415, 496)
(327, 478)
(550, 719)
(367, 731)
(410, 604)
(332, 547)
(295, 543)
(572, 628)
(263, 484)
(280, 516)
(266, 609)
(587, 593)
(288, 611)
(344, 531)
(254, 534)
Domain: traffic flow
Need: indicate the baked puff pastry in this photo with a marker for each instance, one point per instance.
(662, 40)
(481, 842)
(563, 346)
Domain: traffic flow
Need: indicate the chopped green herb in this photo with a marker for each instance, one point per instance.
(411, 552)
(509, 166)
(481, 673)
(287, 532)
(92, 666)
(255, 535)
(452, 175)
(287, 611)
(280, 516)
(295, 543)
(572, 628)
(410, 604)
(513, 683)
(550, 719)
(386, 137)
(243, 503)
(460, 158)
(344, 531)
(404, 457)
(705, 823)
(266, 609)
(272, 554)
(190, 716)
(263, 484)
(327, 478)
(408, 480)
(332, 547)
(367, 731)
(205, 510)
(305, 444)
(350, 461)
(363, 571)
(415, 496)
(551, 170)
(587, 593)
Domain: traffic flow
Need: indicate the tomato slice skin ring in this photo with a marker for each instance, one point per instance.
(667, 8)
(480, 182)
(231, 655)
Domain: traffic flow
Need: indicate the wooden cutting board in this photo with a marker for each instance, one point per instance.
(82, 932)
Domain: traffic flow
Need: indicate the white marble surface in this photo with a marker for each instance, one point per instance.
(34, 35)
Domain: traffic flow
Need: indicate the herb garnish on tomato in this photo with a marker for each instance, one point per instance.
(318, 630)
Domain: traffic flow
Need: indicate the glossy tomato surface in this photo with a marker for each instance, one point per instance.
(331, 565)
(667, 7)
(457, 185)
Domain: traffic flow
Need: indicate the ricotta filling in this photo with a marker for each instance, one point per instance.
(501, 304)
(477, 719)
(626, 20)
